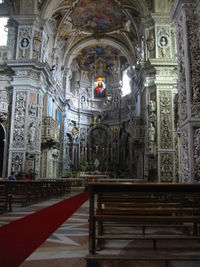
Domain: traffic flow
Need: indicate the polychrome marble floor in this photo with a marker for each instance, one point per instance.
(68, 245)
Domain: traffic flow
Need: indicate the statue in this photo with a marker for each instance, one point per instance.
(196, 93)
(96, 164)
(32, 132)
(152, 106)
(152, 132)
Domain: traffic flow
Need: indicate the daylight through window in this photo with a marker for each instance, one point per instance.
(3, 31)
(126, 88)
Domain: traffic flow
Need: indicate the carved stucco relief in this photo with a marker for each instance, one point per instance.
(196, 134)
(167, 167)
(173, 43)
(192, 23)
(28, 73)
(163, 41)
(176, 157)
(33, 135)
(17, 162)
(152, 125)
(24, 42)
(150, 42)
(166, 124)
(3, 105)
(19, 120)
(37, 44)
(181, 72)
(185, 168)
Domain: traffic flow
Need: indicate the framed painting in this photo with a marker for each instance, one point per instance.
(100, 87)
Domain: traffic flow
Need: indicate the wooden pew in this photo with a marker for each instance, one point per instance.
(155, 205)
(5, 201)
(27, 192)
(142, 255)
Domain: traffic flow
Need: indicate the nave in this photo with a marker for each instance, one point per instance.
(68, 245)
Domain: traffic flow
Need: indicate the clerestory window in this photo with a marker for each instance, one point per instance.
(3, 31)
(126, 88)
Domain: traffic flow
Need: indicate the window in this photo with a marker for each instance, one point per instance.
(126, 88)
(3, 31)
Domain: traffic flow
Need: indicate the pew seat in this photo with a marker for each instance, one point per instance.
(98, 260)
(27, 192)
(114, 207)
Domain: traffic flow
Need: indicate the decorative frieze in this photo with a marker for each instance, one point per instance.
(166, 72)
(27, 73)
(19, 120)
(166, 124)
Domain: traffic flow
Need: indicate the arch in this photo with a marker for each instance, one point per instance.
(142, 7)
(70, 55)
(49, 8)
(2, 148)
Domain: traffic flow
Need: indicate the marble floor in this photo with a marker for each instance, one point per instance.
(68, 245)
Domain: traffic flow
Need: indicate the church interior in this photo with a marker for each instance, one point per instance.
(94, 91)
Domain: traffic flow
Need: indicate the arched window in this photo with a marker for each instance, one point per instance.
(3, 31)
(126, 88)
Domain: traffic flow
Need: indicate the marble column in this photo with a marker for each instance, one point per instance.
(185, 14)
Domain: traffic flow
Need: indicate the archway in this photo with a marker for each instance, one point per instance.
(2, 148)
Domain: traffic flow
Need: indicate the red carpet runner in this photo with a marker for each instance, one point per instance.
(20, 238)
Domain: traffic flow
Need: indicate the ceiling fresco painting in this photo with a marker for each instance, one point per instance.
(92, 56)
(97, 16)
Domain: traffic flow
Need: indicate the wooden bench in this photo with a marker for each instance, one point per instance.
(5, 199)
(27, 192)
(142, 255)
(155, 205)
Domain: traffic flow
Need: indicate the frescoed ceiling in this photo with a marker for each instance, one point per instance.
(109, 22)
(97, 16)
(90, 57)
